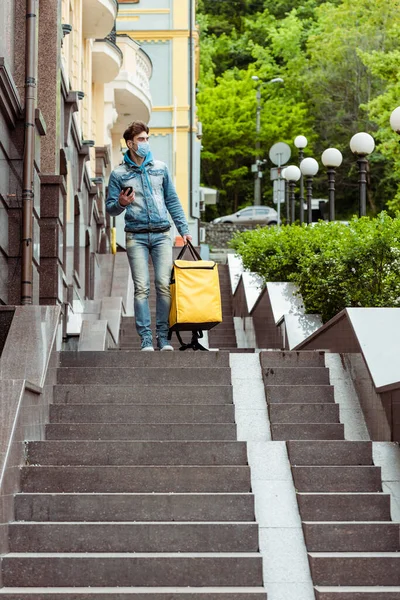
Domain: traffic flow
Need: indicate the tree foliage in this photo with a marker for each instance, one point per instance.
(339, 62)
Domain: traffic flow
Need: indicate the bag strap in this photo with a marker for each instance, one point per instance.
(189, 246)
(194, 342)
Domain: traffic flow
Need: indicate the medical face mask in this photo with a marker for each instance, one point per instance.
(143, 148)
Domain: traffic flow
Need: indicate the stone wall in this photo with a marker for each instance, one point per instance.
(219, 235)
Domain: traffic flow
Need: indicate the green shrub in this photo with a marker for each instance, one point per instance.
(334, 265)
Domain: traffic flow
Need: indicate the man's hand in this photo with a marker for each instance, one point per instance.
(124, 198)
(187, 238)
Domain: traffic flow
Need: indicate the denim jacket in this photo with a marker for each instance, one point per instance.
(155, 194)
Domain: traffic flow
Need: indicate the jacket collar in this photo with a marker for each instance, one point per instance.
(147, 161)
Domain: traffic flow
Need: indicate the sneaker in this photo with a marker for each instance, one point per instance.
(147, 345)
(164, 345)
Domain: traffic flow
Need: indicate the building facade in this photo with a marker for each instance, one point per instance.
(95, 65)
(87, 85)
(167, 33)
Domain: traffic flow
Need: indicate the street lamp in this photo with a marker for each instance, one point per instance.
(292, 174)
(257, 172)
(301, 142)
(309, 168)
(362, 144)
(331, 158)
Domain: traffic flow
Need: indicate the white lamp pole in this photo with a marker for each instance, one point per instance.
(309, 168)
(286, 195)
(257, 172)
(301, 142)
(292, 174)
(362, 144)
(331, 159)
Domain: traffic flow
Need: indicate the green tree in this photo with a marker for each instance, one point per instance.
(339, 62)
(228, 114)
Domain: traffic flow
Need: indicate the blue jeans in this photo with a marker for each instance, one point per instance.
(158, 246)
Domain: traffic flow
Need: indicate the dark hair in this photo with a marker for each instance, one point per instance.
(135, 128)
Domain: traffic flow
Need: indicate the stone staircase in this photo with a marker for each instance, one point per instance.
(353, 546)
(140, 488)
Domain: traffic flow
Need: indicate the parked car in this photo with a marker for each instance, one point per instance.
(257, 215)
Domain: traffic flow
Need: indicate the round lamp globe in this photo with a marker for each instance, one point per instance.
(300, 142)
(395, 120)
(309, 167)
(362, 144)
(292, 173)
(332, 157)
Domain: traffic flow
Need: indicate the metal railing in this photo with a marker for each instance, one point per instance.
(111, 38)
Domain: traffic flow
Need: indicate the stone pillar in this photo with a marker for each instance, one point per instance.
(49, 82)
(52, 223)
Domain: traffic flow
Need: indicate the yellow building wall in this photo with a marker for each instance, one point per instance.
(179, 37)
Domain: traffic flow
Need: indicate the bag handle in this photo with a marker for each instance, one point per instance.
(192, 250)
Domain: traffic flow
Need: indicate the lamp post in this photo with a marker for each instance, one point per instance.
(362, 144)
(292, 174)
(257, 172)
(331, 158)
(301, 142)
(309, 167)
(286, 195)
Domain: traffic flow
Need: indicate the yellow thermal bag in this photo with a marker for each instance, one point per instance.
(195, 294)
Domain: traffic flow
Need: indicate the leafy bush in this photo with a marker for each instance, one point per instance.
(334, 265)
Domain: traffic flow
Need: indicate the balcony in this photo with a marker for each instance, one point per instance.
(131, 87)
(98, 17)
(107, 59)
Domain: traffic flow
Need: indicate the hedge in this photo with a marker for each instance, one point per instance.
(334, 264)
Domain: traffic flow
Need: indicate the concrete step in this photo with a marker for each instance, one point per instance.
(307, 431)
(144, 432)
(226, 334)
(123, 593)
(337, 479)
(305, 358)
(195, 376)
(330, 453)
(126, 569)
(223, 329)
(144, 359)
(304, 413)
(136, 453)
(228, 347)
(143, 394)
(134, 507)
(222, 339)
(135, 479)
(357, 593)
(296, 376)
(142, 413)
(355, 568)
(291, 394)
(133, 537)
(344, 507)
(331, 536)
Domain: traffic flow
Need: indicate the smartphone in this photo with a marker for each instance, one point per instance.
(127, 190)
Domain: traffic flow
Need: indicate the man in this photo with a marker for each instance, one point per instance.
(142, 187)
